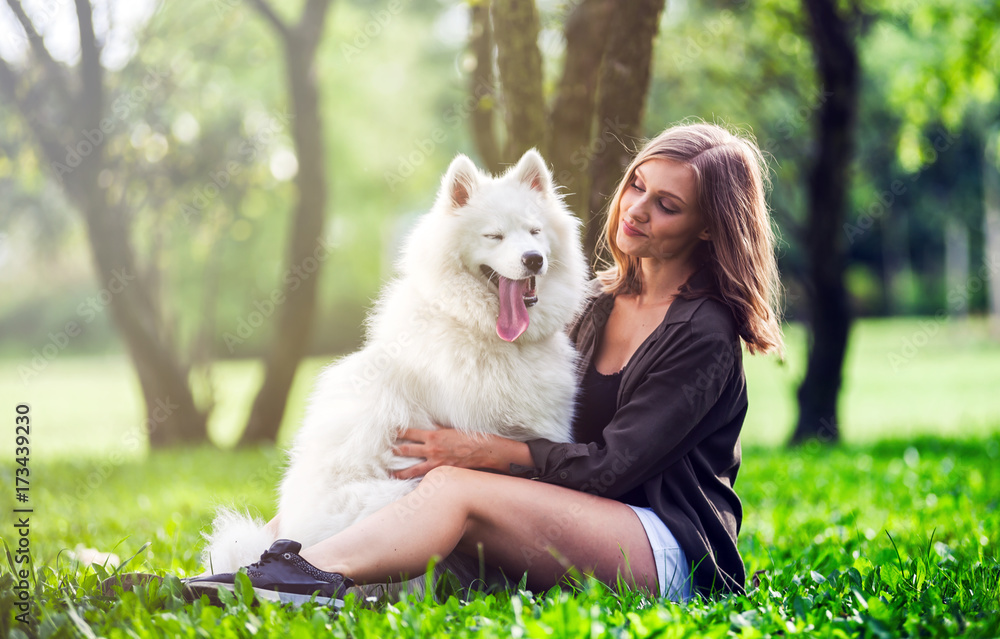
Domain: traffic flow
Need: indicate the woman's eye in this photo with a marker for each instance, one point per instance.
(666, 208)
(635, 185)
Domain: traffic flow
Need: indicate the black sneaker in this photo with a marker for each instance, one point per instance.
(280, 575)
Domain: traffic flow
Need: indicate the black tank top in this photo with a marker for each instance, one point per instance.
(596, 406)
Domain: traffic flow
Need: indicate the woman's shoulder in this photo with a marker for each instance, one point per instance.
(594, 312)
(596, 299)
(710, 316)
(593, 290)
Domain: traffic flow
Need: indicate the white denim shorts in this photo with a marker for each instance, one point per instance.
(672, 568)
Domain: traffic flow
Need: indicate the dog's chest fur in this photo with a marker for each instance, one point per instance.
(477, 383)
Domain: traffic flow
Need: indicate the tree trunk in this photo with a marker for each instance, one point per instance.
(956, 266)
(571, 120)
(621, 102)
(895, 236)
(835, 51)
(515, 28)
(171, 415)
(306, 252)
(482, 86)
(991, 232)
(604, 82)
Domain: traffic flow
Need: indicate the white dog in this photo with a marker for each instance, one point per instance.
(470, 336)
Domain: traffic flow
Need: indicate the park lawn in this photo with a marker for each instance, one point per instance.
(895, 533)
(878, 540)
(945, 385)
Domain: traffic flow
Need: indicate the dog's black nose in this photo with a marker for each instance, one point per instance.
(533, 261)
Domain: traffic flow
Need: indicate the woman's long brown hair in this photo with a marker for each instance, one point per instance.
(731, 175)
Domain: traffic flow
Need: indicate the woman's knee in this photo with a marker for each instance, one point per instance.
(444, 482)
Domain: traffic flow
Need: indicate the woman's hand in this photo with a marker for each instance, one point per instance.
(449, 447)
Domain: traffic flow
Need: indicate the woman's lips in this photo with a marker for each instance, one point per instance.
(631, 230)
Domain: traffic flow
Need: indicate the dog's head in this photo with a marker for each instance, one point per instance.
(511, 249)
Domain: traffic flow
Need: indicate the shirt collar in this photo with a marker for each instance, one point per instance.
(681, 310)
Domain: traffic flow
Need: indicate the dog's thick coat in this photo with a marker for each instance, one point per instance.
(457, 340)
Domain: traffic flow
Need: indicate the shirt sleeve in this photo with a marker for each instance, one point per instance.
(655, 428)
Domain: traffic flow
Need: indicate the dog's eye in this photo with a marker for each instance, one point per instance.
(536, 231)
(494, 236)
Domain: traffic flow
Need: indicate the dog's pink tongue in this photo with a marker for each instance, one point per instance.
(513, 319)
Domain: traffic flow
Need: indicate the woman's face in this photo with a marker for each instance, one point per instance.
(658, 217)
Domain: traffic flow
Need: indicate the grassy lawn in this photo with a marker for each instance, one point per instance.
(874, 540)
(945, 386)
(895, 533)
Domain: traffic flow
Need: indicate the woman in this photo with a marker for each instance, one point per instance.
(646, 493)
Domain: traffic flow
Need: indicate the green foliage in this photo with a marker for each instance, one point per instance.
(894, 538)
(889, 539)
(199, 117)
(205, 87)
(929, 88)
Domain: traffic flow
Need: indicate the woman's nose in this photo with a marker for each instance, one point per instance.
(638, 209)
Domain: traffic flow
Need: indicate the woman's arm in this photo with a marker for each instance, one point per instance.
(449, 447)
(651, 431)
(664, 418)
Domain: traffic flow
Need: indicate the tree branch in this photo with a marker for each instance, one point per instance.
(9, 82)
(265, 10)
(55, 78)
(310, 25)
(91, 71)
(37, 44)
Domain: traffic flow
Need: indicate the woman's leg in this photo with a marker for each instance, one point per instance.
(518, 522)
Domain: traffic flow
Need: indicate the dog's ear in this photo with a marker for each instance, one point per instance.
(460, 182)
(531, 170)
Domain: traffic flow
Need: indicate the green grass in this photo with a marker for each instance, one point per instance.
(894, 533)
(890, 539)
(947, 387)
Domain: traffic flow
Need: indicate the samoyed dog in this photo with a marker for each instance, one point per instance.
(470, 335)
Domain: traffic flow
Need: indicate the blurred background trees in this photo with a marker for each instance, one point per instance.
(198, 184)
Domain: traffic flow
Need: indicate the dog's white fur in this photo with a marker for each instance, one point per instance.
(433, 356)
